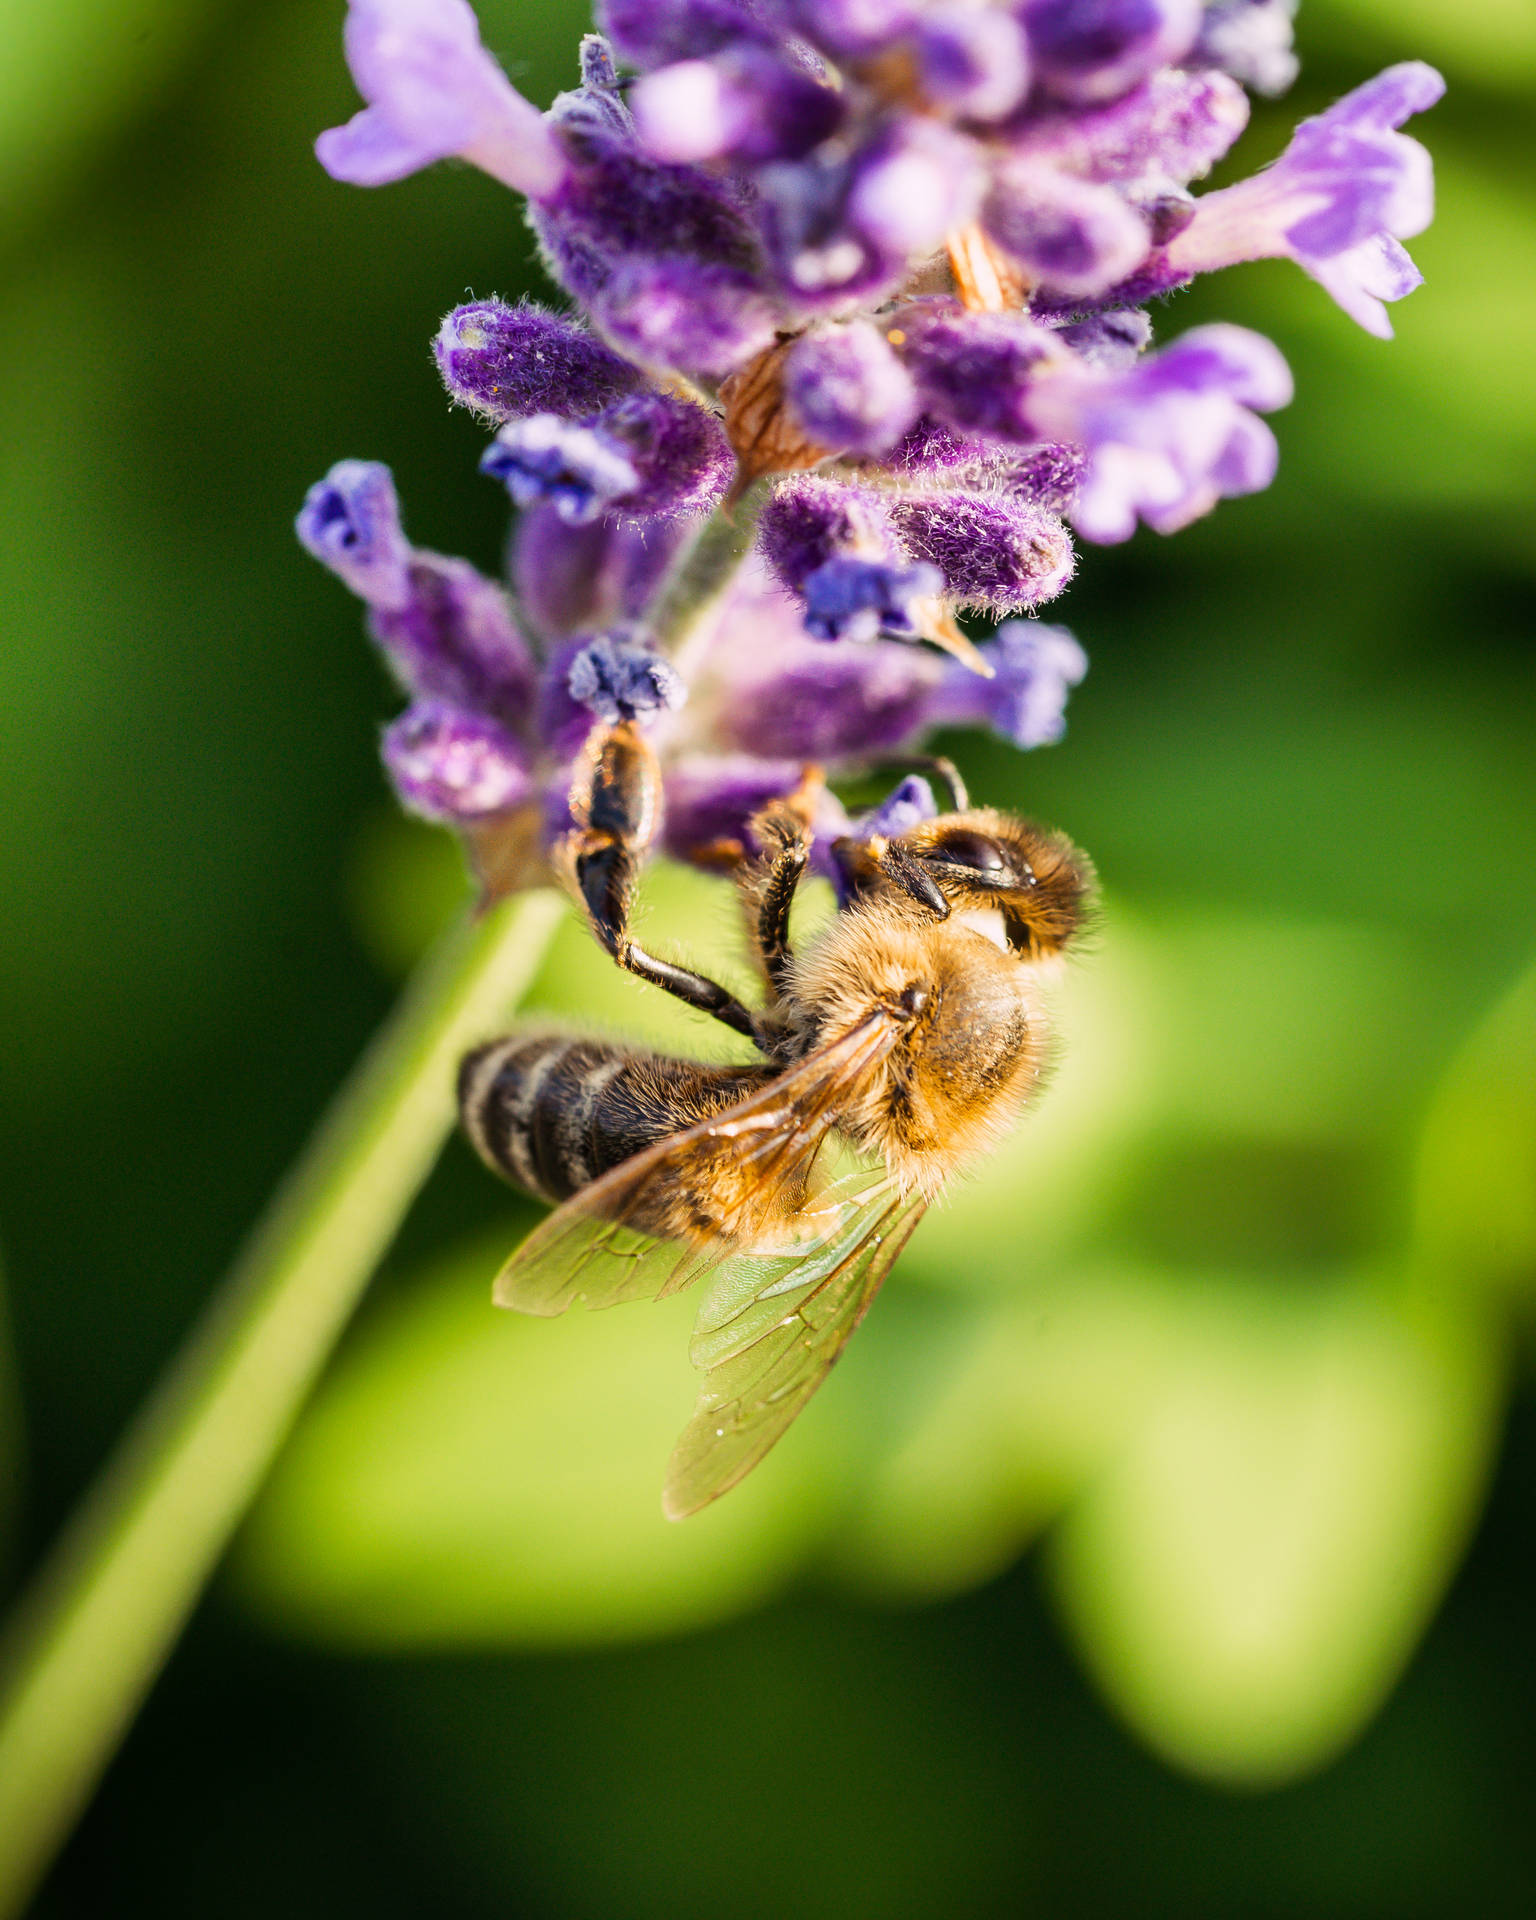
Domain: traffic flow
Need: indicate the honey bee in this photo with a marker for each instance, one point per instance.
(911, 1031)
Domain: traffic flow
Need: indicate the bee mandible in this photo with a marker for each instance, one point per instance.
(912, 1028)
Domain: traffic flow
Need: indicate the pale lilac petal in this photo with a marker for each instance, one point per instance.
(433, 91)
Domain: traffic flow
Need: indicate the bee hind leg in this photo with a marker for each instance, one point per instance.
(615, 801)
(783, 830)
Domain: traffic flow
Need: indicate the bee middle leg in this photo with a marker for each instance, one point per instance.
(615, 801)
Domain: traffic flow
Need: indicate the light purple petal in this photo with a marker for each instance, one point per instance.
(433, 91)
(452, 766)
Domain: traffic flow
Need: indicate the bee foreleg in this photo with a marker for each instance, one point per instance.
(615, 801)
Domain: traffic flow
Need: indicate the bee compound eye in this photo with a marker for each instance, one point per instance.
(912, 999)
(974, 850)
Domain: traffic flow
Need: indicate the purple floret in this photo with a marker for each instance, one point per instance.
(848, 389)
(620, 675)
(848, 598)
(507, 362)
(580, 472)
(454, 766)
(994, 553)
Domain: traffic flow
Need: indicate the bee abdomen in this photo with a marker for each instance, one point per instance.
(554, 1113)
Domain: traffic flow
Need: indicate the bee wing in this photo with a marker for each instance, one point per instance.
(770, 1330)
(760, 1151)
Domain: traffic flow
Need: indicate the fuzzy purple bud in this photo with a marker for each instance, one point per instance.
(746, 106)
(1111, 340)
(1174, 126)
(912, 186)
(580, 472)
(974, 370)
(1337, 201)
(809, 519)
(453, 766)
(507, 362)
(847, 28)
(995, 553)
(1087, 50)
(848, 390)
(433, 91)
(906, 806)
(350, 522)
(848, 598)
(619, 676)
(1072, 236)
(971, 61)
(682, 461)
(652, 33)
(1034, 667)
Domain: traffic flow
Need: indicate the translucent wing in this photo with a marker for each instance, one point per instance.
(752, 1161)
(770, 1329)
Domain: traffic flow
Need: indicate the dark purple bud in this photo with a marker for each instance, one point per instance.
(1251, 40)
(995, 552)
(848, 598)
(974, 370)
(576, 579)
(1174, 126)
(1072, 236)
(848, 390)
(929, 447)
(661, 258)
(709, 800)
(454, 767)
(652, 33)
(1034, 667)
(1089, 50)
(818, 256)
(682, 461)
(1048, 476)
(746, 106)
(810, 519)
(506, 362)
(433, 91)
(971, 61)
(619, 676)
(580, 472)
(350, 521)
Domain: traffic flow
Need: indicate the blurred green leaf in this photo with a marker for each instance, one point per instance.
(1477, 1161)
(73, 71)
(1493, 43)
(1249, 1575)
(470, 1477)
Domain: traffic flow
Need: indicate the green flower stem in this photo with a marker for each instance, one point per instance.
(106, 1611)
(704, 573)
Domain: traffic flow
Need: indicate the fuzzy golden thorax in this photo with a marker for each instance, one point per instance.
(974, 1039)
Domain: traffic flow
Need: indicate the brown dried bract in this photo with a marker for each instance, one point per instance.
(759, 424)
(986, 280)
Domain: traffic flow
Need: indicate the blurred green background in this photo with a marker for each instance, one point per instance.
(1164, 1545)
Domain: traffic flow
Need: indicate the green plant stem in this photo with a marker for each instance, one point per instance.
(106, 1610)
(704, 574)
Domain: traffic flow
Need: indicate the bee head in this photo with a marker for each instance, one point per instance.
(984, 860)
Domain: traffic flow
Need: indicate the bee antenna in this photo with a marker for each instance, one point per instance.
(938, 767)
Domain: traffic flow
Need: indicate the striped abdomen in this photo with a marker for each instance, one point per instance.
(552, 1113)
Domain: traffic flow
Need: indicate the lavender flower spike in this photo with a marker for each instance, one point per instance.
(1169, 437)
(1337, 201)
(433, 92)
